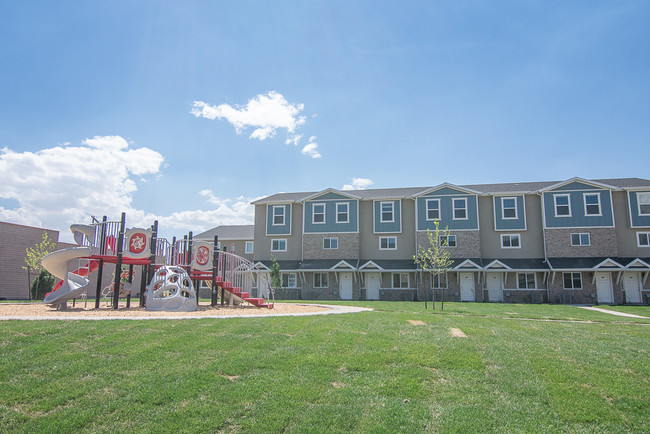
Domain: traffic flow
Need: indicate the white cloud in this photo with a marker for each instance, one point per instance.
(63, 185)
(295, 140)
(311, 149)
(265, 113)
(358, 184)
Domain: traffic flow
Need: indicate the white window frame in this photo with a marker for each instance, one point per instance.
(290, 280)
(526, 279)
(314, 213)
(580, 236)
(503, 208)
(321, 286)
(572, 273)
(280, 207)
(646, 202)
(455, 208)
(392, 212)
(440, 278)
(248, 250)
(427, 202)
(339, 213)
(638, 239)
(511, 237)
(330, 239)
(555, 197)
(279, 241)
(451, 241)
(600, 209)
(401, 283)
(388, 243)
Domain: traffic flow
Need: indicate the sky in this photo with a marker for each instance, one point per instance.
(186, 111)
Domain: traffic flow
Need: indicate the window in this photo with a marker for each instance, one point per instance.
(460, 208)
(388, 243)
(343, 212)
(508, 208)
(320, 280)
(510, 241)
(592, 204)
(449, 240)
(330, 243)
(278, 215)
(318, 214)
(562, 205)
(526, 281)
(400, 280)
(387, 212)
(249, 247)
(289, 280)
(644, 203)
(279, 245)
(433, 209)
(572, 280)
(643, 239)
(581, 239)
(439, 281)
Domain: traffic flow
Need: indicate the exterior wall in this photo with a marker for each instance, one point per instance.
(468, 243)
(636, 219)
(586, 295)
(330, 202)
(348, 246)
(578, 218)
(626, 236)
(369, 241)
(532, 238)
(446, 196)
(603, 243)
(262, 248)
(451, 292)
(14, 283)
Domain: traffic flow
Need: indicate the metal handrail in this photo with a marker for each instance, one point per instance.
(242, 273)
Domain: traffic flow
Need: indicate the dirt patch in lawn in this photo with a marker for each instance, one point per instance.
(457, 333)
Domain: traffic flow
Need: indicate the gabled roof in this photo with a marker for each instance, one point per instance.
(448, 185)
(388, 264)
(580, 180)
(467, 264)
(228, 233)
(330, 190)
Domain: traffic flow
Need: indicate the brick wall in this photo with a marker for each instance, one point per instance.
(14, 240)
(603, 243)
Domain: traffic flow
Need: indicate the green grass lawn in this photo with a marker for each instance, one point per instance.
(371, 371)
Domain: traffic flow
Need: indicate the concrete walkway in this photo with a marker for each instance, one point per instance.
(613, 312)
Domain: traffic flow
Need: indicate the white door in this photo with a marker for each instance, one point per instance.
(345, 286)
(604, 288)
(632, 286)
(495, 286)
(467, 289)
(372, 286)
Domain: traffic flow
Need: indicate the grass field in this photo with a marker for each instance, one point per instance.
(521, 368)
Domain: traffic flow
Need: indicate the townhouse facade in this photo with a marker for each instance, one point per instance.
(574, 241)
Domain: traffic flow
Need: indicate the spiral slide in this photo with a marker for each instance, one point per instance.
(72, 284)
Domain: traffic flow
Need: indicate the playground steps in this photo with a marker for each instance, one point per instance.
(255, 301)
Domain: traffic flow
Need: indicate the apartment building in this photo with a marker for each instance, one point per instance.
(574, 241)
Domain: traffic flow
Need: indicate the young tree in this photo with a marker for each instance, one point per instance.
(34, 255)
(276, 277)
(436, 257)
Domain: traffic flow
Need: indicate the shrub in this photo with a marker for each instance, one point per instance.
(42, 285)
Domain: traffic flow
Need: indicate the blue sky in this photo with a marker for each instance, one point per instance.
(186, 111)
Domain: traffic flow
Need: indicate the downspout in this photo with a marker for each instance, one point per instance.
(541, 202)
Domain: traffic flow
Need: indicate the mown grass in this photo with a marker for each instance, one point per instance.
(372, 371)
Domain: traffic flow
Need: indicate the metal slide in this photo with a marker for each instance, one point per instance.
(73, 284)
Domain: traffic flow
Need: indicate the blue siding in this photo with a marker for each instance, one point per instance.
(330, 225)
(281, 229)
(578, 218)
(638, 221)
(331, 196)
(502, 224)
(446, 211)
(393, 227)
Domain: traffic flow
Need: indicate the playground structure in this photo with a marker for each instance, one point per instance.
(172, 268)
